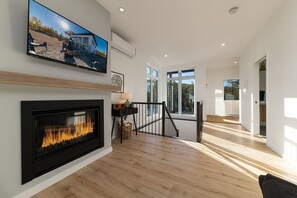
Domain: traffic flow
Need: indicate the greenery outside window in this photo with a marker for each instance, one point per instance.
(172, 95)
(180, 91)
(152, 83)
(231, 89)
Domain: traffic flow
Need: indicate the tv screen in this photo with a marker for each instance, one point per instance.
(53, 37)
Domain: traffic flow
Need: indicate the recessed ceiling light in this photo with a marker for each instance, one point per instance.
(233, 10)
(235, 62)
(165, 55)
(223, 44)
(121, 9)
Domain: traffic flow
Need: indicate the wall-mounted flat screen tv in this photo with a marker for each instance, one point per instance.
(53, 37)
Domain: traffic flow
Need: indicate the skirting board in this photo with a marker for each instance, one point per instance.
(274, 148)
(245, 126)
(45, 184)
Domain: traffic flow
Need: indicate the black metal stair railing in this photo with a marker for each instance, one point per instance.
(154, 118)
(199, 118)
(170, 127)
(151, 119)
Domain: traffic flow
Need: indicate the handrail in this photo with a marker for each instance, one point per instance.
(148, 103)
(141, 127)
(152, 117)
(177, 131)
(163, 118)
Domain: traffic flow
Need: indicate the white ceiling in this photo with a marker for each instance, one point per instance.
(189, 30)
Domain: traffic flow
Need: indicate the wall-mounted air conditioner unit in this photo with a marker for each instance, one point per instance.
(122, 46)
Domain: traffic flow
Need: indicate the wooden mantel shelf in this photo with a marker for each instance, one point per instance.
(32, 80)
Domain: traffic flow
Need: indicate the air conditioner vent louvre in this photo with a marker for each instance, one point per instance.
(122, 46)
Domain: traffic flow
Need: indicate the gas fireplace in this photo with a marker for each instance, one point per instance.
(57, 132)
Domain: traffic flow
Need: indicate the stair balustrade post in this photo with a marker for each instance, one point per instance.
(163, 118)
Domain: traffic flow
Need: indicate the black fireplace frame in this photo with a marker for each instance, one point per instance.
(32, 168)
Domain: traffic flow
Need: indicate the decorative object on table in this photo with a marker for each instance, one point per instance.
(117, 79)
(118, 106)
(127, 97)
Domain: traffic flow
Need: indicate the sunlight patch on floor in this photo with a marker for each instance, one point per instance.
(231, 132)
(205, 150)
(240, 151)
(230, 121)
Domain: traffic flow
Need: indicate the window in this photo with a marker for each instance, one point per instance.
(231, 89)
(188, 96)
(152, 84)
(85, 40)
(148, 89)
(172, 95)
(180, 91)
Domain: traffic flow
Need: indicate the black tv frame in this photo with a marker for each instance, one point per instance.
(55, 60)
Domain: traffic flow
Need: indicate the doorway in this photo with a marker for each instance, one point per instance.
(262, 97)
(259, 98)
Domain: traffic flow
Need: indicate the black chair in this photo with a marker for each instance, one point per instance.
(274, 187)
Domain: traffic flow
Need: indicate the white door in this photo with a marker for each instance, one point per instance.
(255, 101)
(256, 97)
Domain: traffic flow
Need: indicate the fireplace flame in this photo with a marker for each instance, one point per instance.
(56, 135)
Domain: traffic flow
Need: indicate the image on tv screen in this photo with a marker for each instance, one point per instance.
(51, 36)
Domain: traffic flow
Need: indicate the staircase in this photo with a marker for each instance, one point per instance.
(155, 119)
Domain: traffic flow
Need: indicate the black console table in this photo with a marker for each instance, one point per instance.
(121, 113)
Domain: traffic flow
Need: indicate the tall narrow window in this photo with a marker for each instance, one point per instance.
(172, 95)
(188, 96)
(152, 80)
(231, 89)
(180, 91)
(154, 90)
(149, 89)
(152, 84)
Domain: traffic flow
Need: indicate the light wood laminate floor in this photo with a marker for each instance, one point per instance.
(226, 164)
(223, 119)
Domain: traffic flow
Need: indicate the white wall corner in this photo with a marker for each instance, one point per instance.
(275, 149)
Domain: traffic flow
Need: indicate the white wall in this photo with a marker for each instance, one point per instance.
(134, 70)
(187, 129)
(277, 41)
(216, 105)
(13, 16)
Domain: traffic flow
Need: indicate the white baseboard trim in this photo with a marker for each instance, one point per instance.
(274, 149)
(47, 183)
(245, 126)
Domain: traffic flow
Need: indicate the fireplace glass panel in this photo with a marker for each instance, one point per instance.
(55, 131)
